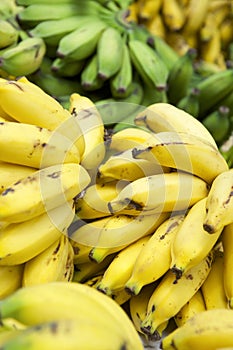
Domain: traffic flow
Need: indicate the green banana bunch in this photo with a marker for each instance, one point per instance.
(25, 58)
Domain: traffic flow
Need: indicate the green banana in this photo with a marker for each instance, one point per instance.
(148, 64)
(8, 9)
(81, 43)
(120, 83)
(152, 96)
(8, 34)
(165, 51)
(89, 75)
(218, 124)
(36, 2)
(64, 67)
(180, 76)
(25, 58)
(190, 103)
(109, 53)
(227, 101)
(141, 33)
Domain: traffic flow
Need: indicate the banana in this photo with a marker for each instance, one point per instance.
(64, 67)
(11, 173)
(190, 103)
(157, 27)
(213, 89)
(185, 152)
(227, 261)
(149, 9)
(173, 15)
(174, 191)
(211, 49)
(171, 295)
(25, 58)
(191, 243)
(110, 234)
(159, 117)
(11, 279)
(148, 64)
(81, 252)
(8, 34)
(35, 147)
(210, 329)
(69, 300)
(82, 42)
(21, 242)
(155, 257)
(120, 268)
(213, 288)
(93, 203)
(109, 52)
(121, 82)
(89, 76)
(128, 138)
(122, 166)
(180, 75)
(44, 190)
(195, 15)
(195, 305)
(50, 265)
(92, 127)
(165, 51)
(219, 203)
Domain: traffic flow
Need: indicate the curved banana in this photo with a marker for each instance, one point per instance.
(68, 300)
(44, 190)
(191, 243)
(219, 204)
(155, 257)
(50, 265)
(11, 279)
(171, 295)
(119, 270)
(90, 80)
(195, 15)
(210, 329)
(173, 15)
(91, 124)
(161, 117)
(227, 242)
(185, 152)
(23, 241)
(127, 138)
(167, 192)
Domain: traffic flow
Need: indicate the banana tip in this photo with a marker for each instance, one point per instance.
(209, 228)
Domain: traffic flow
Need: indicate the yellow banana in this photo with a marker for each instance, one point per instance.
(149, 9)
(23, 241)
(43, 190)
(173, 15)
(227, 241)
(171, 295)
(128, 138)
(155, 257)
(195, 15)
(211, 49)
(81, 252)
(219, 204)
(191, 243)
(157, 27)
(11, 279)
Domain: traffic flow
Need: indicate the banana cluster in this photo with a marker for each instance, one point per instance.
(93, 220)
(203, 25)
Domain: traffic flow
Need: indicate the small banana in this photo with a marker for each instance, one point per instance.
(165, 51)
(64, 67)
(173, 15)
(191, 243)
(109, 52)
(171, 295)
(89, 75)
(228, 263)
(8, 34)
(219, 203)
(190, 103)
(128, 138)
(155, 257)
(43, 190)
(11, 279)
(195, 15)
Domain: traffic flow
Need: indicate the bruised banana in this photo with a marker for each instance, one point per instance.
(191, 243)
(167, 192)
(52, 264)
(171, 295)
(11, 279)
(23, 241)
(69, 300)
(44, 190)
(185, 152)
(154, 259)
(219, 204)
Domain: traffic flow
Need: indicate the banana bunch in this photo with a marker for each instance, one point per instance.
(203, 25)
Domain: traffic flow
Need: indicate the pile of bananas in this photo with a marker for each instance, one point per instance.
(111, 234)
(206, 25)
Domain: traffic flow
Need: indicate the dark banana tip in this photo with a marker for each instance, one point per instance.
(209, 228)
(110, 208)
(155, 336)
(102, 76)
(102, 289)
(177, 272)
(60, 54)
(130, 291)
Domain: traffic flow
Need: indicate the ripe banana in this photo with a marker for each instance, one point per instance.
(53, 264)
(35, 147)
(119, 270)
(46, 189)
(191, 243)
(21, 242)
(195, 15)
(128, 138)
(185, 152)
(158, 193)
(161, 117)
(68, 300)
(91, 125)
(210, 329)
(154, 259)
(173, 15)
(219, 203)
(228, 261)
(11, 279)
(25, 58)
(171, 295)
